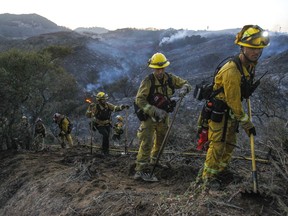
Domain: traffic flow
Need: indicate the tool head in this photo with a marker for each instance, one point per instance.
(150, 178)
(252, 194)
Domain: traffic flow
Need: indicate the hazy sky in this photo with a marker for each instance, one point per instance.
(185, 14)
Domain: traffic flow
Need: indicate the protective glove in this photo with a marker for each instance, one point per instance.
(248, 127)
(183, 91)
(159, 114)
(62, 133)
(252, 131)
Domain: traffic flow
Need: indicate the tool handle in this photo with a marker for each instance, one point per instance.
(166, 137)
(254, 172)
(126, 131)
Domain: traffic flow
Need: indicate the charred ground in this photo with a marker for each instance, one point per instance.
(76, 182)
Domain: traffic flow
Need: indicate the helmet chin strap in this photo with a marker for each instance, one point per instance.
(247, 59)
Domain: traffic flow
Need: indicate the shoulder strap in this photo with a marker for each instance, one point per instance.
(152, 88)
(169, 81)
(238, 63)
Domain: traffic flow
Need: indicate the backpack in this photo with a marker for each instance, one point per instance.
(204, 90)
(168, 106)
(103, 114)
(213, 108)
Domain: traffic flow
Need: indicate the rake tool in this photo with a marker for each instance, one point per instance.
(255, 193)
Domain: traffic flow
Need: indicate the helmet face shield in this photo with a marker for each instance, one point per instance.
(160, 64)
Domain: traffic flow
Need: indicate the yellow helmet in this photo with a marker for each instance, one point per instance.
(101, 96)
(119, 117)
(252, 36)
(158, 60)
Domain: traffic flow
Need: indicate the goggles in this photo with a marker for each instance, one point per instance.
(257, 39)
(160, 64)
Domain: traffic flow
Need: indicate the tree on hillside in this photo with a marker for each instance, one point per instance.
(33, 85)
(270, 100)
(123, 86)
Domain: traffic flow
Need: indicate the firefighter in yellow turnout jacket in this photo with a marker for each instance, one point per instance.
(65, 127)
(101, 118)
(156, 105)
(252, 39)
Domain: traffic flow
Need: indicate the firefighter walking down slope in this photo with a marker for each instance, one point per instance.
(101, 118)
(236, 87)
(154, 98)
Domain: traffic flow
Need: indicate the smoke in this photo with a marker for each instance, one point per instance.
(278, 44)
(177, 36)
(108, 75)
(92, 87)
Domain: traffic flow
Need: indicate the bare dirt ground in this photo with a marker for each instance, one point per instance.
(74, 182)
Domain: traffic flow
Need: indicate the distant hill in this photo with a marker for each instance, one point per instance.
(91, 31)
(101, 57)
(26, 25)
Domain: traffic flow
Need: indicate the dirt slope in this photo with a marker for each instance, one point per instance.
(74, 182)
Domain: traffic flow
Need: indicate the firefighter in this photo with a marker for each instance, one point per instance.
(65, 126)
(236, 87)
(101, 118)
(39, 135)
(154, 98)
(118, 128)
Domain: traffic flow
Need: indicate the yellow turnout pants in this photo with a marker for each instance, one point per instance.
(150, 135)
(219, 153)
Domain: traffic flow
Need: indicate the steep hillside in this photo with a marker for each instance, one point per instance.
(26, 25)
(106, 58)
(81, 181)
(74, 182)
